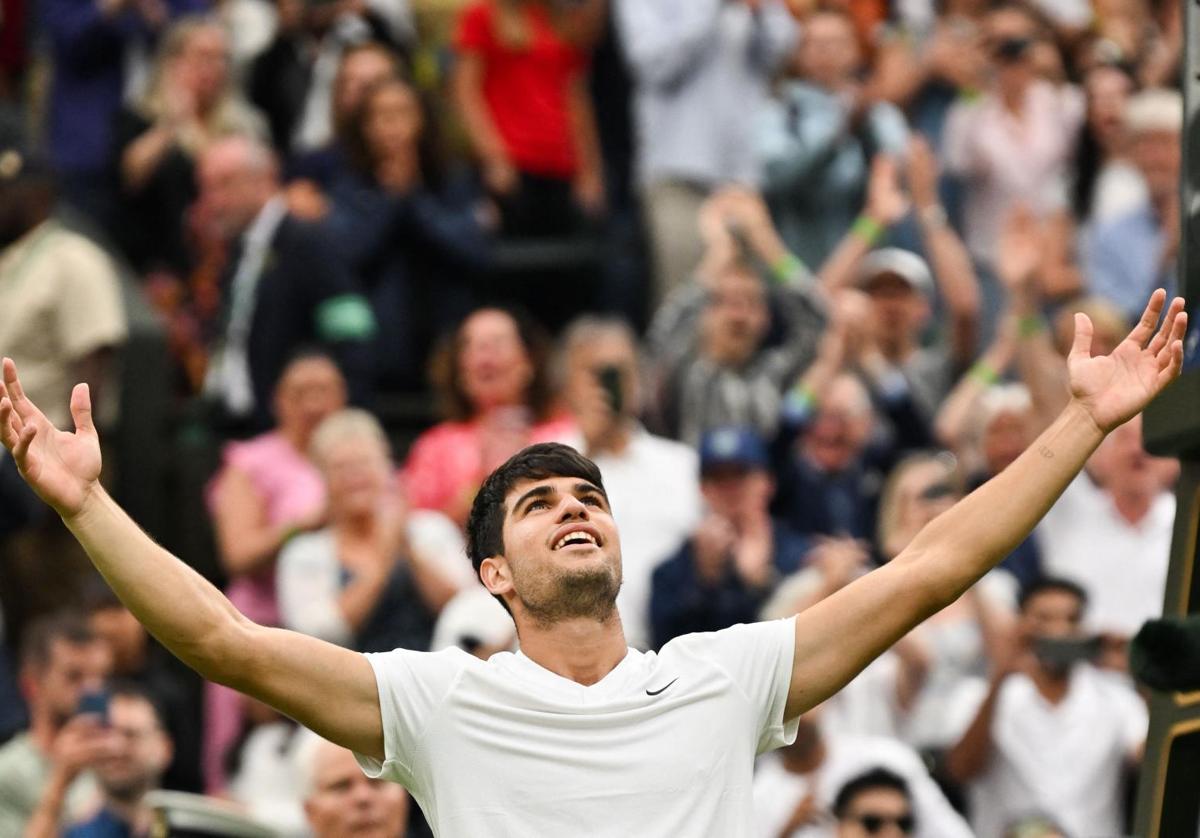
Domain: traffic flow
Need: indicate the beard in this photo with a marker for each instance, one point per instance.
(554, 595)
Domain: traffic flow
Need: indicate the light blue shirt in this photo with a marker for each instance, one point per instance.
(1122, 257)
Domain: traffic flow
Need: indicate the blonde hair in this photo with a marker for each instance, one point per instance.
(889, 523)
(348, 424)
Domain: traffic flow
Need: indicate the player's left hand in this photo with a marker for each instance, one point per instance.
(1114, 388)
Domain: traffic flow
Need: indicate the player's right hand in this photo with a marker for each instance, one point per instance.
(62, 467)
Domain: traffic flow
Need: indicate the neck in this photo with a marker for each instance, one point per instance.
(1052, 686)
(43, 729)
(807, 761)
(614, 439)
(896, 349)
(1133, 507)
(580, 649)
(129, 808)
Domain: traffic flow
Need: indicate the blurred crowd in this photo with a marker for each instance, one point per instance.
(797, 274)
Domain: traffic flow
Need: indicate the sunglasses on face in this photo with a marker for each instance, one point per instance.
(874, 824)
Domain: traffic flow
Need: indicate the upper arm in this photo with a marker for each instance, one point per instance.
(839, 636)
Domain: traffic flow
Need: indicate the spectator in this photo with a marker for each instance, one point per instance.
(190, 103)
(376, 577)
(61, 314)
(701, 70)
(141, 662)
(714, 366)
(817, 136)
(135, 753)
(61, 661)
(1107, 184)
(475, 622)
(417, 238)
(1047, 692)
(651, 482)
(521, 89)
(261, 770)
(876, 803)
(342, 803)
(494, 383)
(1135, 252)
(285, 289)
(796, 788)
(1013, 144)
(266, 491)
(724, 573)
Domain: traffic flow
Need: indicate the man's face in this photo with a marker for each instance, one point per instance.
(877, 813)
(1123, 466)
(231, 190)
(124, 635)
(841, 428)
(71, 671)
(586, 362)
(738, 493)
(898, 309)
(1006, 28)
(828, 53)
(141, 750)
(736, 319)
(360, 70)
(1052, 613)
(1004, 438)
(562, 553)
(347, 804)
(1158, 155)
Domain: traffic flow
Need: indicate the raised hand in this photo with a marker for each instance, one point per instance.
(1114, 388)
(63, 468)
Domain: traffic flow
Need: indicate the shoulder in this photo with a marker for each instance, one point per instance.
(253, 454)
(444, 434)
(733, 641)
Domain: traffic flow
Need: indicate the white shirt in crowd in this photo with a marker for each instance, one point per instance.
(309, 576)
(777, 791)
(664, 745)
(1122, 566)
(1064, 761)
(653, 487)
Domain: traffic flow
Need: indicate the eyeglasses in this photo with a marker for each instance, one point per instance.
(874, 824)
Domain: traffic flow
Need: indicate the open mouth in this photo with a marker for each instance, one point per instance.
(575, 539)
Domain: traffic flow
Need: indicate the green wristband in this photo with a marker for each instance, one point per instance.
(787, 267)
(984, 374)
(867, 229)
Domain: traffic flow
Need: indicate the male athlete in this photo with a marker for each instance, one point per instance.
(578, 734)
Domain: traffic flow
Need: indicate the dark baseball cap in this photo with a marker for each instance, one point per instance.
(737, 446)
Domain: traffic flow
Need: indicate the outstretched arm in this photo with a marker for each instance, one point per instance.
(836, 638)
(324, 687)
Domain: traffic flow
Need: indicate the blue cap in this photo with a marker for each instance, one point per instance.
(733, 446)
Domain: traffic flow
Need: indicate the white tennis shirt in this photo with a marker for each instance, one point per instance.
(664, 745)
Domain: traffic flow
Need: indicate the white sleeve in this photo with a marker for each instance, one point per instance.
(758, 658)
(307, 584)
(1134, 718)
(412, 686)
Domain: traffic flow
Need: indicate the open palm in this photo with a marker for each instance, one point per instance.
(63, 468)
(1114, 388)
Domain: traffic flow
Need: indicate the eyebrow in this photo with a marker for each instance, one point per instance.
(542, 491)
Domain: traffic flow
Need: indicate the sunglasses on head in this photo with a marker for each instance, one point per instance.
(874, 824)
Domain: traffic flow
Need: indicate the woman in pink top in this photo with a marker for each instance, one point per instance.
(497, 398)
(266, 491)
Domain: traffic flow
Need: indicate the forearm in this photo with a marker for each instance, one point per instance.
(468, 94)
(358, 599)
(956, 281)
(249, 550)
(44, 823)
(185, 613)
(969, 755)
(433, 586)
(143, 155)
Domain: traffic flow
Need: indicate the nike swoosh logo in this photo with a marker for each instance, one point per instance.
(656, 692)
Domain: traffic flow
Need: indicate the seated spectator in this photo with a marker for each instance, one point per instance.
(1135, 252)
(1049, 733)
(340, 802)
(877, 803)
(376, 577)
(817, 135)
(417, 238)
(796, 787)
(136, 750)
(496, 396)
(475, 622)
(141, 662)
(266, 491)
(651, 482)
(701, 70)
(191, 102)
(520, 84)
(286, 288)
(61, 661)
(261, 770)
(724, 573)
(62, 317)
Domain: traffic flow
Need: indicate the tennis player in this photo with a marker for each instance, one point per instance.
(577, 734)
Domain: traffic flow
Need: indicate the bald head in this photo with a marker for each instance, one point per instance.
(236, 177)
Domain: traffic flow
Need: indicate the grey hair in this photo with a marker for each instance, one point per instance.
(350, 423)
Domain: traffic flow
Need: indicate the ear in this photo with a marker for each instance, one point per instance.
(496, 575)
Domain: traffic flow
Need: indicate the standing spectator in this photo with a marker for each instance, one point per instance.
(266, 491)
(285, 288)
(651, 482)
(817, 136)
(494, 381)
(340, 802)
(1107, 183)
(62, 316)
(1047, 693)
(1136, 252)
(191, 102)
(61, 660)
(137, 750)
(521, 87)
(701, 69)
(376, 577)
(417, 238)
(724, 573)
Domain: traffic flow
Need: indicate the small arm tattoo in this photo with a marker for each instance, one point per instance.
(1046, 452)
